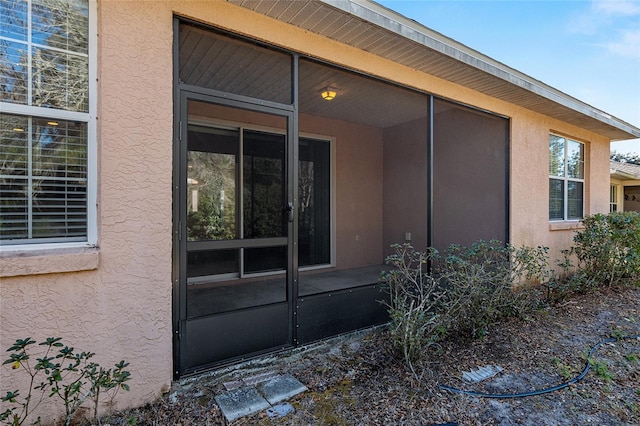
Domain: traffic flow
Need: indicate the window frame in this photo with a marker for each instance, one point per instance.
(90, 118)
(331, 140)
(197, 120)
(566, 179)
(614, 203)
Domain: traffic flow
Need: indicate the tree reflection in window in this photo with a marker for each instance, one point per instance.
(211, 184)
(57, 47)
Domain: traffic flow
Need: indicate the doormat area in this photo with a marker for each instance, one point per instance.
(262, 392)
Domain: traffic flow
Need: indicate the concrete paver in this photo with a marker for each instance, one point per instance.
(241, 402)
(247, 400)
(280, 388)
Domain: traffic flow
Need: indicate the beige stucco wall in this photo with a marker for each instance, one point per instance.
(118, 303)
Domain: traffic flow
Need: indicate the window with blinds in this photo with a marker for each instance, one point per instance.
(44, 74)
(566, 179)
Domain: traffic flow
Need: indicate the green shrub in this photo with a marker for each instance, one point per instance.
(467, 289)
(568, 280)
(608, 249)
(489, 281)
(62, 372)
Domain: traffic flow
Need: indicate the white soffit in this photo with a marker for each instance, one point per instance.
(373, 28)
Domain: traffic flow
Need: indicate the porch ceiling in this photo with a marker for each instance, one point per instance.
(373, 28)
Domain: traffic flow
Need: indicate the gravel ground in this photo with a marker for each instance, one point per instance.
(353, 380)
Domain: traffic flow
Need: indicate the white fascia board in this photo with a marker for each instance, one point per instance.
(392, 21)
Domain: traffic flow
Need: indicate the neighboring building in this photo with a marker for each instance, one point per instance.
(186, 184)
(625, 187)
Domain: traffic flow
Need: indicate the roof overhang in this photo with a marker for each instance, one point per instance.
(373, 28)
(616, 174)
(624, 171)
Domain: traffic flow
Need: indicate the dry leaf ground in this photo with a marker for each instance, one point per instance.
(354, 380)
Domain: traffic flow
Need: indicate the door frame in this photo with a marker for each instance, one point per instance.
(183, 94)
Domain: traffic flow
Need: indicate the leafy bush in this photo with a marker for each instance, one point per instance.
(414, 305)
(467, 289)
(68, 375)
(432, 296)
(608, 248)
(606, 253)
(489, 281)
(568, 280)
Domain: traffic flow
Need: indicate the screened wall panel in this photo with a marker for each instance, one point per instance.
(470, 176)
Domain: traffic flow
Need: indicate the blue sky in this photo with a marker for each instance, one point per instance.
(587, 49)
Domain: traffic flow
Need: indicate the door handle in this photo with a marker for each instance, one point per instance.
(289, 209)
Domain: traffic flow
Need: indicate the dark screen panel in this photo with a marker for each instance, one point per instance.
(470, 176)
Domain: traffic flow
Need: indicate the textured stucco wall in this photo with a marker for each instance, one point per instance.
(120, 306)
(118, 303)
(529, 181)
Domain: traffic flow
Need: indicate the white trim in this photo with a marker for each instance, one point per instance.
(42, 112)
(566, 179)
(92, 143)
(614, 190)
(92, 130)
(29, 54)
(18, 248)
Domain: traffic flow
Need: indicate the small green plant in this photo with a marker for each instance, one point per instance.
(632, 357)
(565, 371)
(570, 279)
(489, 281)
(601, 369)
(62, 372)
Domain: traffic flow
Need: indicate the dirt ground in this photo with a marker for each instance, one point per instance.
(354, 380)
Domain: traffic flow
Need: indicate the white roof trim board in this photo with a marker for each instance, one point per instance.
(371, 27)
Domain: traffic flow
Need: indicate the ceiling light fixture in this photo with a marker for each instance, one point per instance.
(18, 129)
(329, 94)
(52, 123)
